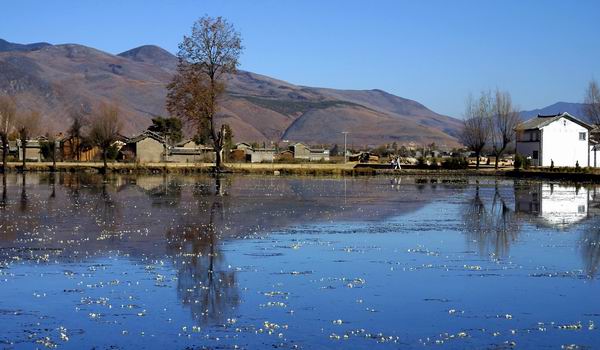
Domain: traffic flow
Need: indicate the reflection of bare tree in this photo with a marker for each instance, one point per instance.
(4, 193)
(492, 228)
(590, 241)
(23, 202)
(91, 195)
(204, 284)
(590, 249)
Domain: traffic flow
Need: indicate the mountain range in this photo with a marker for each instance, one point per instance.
(574, 109)
(54, 79)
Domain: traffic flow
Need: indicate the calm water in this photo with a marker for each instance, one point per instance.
(157, 262)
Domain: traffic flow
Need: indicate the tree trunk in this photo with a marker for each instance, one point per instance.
(477, 163)
(54, 157)
(497, 159)
(104, 151)
(218, 161)
(4, 152)
(24, 151)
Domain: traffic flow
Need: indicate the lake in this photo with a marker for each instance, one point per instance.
(248, 262)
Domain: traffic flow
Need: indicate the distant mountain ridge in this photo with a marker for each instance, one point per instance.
(57, 78)
(574, 109)
(8, 46)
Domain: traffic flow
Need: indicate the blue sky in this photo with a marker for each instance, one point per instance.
(435, 52)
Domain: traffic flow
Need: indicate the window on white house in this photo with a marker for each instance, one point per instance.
(581, 136)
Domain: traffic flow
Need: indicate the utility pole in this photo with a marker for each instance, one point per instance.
(345, 143)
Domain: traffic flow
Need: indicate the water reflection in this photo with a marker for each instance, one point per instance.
(554, 205)
(187, 220)
(205, 283)
(492, 227)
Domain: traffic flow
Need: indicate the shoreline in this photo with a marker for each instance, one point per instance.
(304, 169)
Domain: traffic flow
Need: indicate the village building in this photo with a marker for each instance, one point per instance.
(74, 148)
(190, 152)
(285, 156)
(559, 139)
(253, 154)
(302, 151)
(32, 151)
(148, 147)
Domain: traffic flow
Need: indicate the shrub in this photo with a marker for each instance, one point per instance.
(522, 162)
(455, 163)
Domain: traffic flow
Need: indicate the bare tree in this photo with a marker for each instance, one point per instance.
(8, 112)
(49, 147)
(27, 126)
(505, 120)
(205, 57)
(592, 103)
(105, 127)
(75, 131)
(476, 125)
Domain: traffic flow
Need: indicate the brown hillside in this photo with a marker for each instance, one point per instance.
(56, 78)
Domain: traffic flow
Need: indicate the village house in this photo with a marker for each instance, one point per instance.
(190, 152)
(302, 151)
(74, 148)
(31, 152)
(253, 154)
(559, 139)
(148, 147)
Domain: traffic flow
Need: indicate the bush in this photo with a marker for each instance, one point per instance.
(522, 162)
(455, 163)
(112, 153)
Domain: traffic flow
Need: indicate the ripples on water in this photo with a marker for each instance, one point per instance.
(256, 262)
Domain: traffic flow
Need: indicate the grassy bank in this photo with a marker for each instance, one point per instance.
(311, 169)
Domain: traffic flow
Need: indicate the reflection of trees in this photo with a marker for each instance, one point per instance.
(91, 195)
(166, 194)
(590, 249)
(23, 202)
(492, 228)
(4, 193)
(204, 283)
(590, 241)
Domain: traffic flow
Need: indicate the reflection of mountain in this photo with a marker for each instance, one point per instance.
(552, 204)
(79, 217)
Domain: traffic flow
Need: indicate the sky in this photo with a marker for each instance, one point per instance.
(435, 52)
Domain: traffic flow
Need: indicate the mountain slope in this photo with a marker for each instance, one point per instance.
(57, 78)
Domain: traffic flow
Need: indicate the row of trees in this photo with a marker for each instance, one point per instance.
(101, 128)
(490, 121)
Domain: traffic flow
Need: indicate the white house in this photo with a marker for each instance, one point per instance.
(560, 138)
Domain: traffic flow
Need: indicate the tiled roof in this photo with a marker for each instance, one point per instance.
(543, 120)
(144, 135)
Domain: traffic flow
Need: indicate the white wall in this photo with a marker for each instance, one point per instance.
(560, 143)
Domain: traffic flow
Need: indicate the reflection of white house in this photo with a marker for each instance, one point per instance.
(555, 205)
(561, 138)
